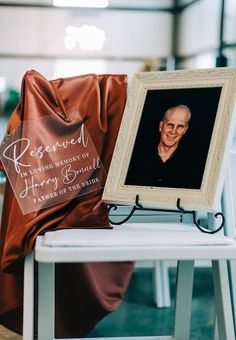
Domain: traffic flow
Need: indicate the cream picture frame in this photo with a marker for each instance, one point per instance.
(210, 94)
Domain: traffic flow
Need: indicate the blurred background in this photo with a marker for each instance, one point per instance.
(61, 38)
(69, 37)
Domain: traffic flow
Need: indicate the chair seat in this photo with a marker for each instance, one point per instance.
(133, 242)
(135, 234)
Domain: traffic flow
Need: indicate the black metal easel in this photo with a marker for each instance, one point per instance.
(179, 209)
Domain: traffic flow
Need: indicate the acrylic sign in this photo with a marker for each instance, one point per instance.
(48, 163)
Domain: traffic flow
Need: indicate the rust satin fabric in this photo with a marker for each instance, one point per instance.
(84, 292)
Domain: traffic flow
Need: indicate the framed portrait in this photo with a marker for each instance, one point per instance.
(174, 140)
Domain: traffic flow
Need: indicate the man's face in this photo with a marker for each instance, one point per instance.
(174, 127)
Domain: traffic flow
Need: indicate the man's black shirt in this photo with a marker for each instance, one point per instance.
(181, 170)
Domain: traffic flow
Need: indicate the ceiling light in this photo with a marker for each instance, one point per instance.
(70, 43)
(81, 3)
(88, 37)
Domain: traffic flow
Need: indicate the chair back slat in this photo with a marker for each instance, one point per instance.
(229, 196)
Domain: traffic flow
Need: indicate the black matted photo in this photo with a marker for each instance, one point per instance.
(173, 138)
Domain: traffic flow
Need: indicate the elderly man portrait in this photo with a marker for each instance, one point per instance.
(172, 128)
(170, 162)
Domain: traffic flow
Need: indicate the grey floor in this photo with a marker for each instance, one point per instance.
(137, 315)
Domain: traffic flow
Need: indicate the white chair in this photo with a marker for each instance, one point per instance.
(161, 283)
(158, 241)
(229, 207)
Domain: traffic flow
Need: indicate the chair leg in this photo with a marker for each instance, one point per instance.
(223, 301)
(215, 330)
(183, 301)
(161, 284)
(232, 271)
(28, 311)
(46, 302)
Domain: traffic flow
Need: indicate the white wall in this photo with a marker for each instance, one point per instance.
(14, 69)
(199, 27)
(230, 21)
(130, 37)
(42, 31)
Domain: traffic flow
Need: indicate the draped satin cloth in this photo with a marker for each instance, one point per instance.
(84, 292)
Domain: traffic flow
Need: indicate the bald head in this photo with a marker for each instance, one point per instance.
(177, 109)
